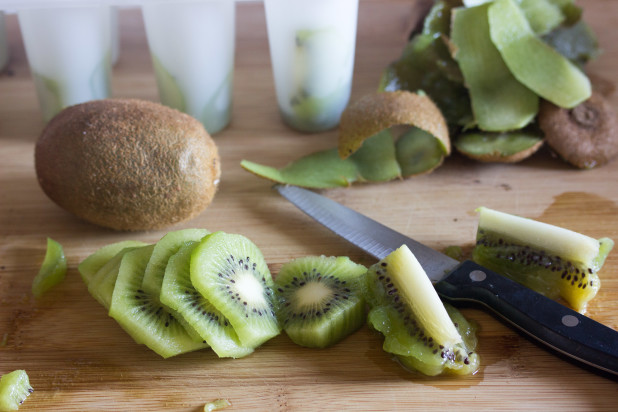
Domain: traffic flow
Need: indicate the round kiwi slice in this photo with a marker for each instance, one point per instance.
(53, 269)
(89, 266)
(14, 389)
(230, 272)
(127, 164)
(416, 325)
(375, 112)
(585, 136)
(180, 296)
(142, 315)
(320, 302)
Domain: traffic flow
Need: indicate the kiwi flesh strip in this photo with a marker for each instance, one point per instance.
(181, 297)
(14, 389)
(164, 248)
(229, 270)
(89, 266)
(552, 260)
(499, 101)
(320, 299)
(533, 62)
(142, 315)
(422, 333)
(53, 269)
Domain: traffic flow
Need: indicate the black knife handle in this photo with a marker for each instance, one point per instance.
(553, 324)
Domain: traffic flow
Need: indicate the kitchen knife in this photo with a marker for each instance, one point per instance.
(553, 324)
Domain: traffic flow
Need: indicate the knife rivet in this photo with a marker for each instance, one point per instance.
(478, 275)
(570, 321)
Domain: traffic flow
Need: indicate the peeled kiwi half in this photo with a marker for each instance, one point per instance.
(552, 260)
(127, 164)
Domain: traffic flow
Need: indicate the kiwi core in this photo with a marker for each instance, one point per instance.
(311, 293)
(250, 288)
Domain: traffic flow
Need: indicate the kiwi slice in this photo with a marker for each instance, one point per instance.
(320, 301)
(505, 147)
(230, 272)
(180, 296)
(499, 101)
(532, 61)
(552, 260)
(89, 266)
(164, 248)
(142, 316)
(53, 269)
(14, 389)
(417, 327)
(102, 284)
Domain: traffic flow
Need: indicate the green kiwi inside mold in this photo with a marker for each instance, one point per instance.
(320, 299)
(554, 261)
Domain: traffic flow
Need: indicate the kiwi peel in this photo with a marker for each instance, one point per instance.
(554, 261)
(320, 299)
(506, 147)
(418, 329)
(53, 269)
(14, 390)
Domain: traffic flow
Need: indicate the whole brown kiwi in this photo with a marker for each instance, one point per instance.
(127, 164)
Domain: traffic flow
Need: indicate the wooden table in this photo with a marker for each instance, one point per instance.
(79, 359)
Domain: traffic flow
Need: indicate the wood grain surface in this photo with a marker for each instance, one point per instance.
(79, 359)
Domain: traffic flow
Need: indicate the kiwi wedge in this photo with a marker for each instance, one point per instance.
(230, 272)
(499, 101)
(533, 62)
(14, 390)
(320, 300)
(418, 328)
(164, 248)
(142, 315)
(181, 297)
(53, 269)
(552, 260)
(95, 261)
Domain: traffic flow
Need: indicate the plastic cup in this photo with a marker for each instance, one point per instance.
(4, 46)
(192, 49)
(312, 45)
(69, 54)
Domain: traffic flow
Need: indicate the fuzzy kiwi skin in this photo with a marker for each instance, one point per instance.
(127, 164)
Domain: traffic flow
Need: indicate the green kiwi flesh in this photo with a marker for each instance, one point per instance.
(499, 101)
(14, 389)
(418, 329)
(320, 300)
(142, 315)
(164, 248)
(554, 261)
(418, 152)
(552, 76)
(506, 147)
(181, 297)
(95, 261)
(230, 272)
(53, 269)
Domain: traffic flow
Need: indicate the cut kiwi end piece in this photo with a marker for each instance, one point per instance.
(554, 261)
(181, 297)
(89, 266)
(164, 248)
(230, 272)
(320, 300)
(142, 315)
(14, 389)
(53, 269)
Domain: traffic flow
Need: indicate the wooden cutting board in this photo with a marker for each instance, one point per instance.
(79, 359)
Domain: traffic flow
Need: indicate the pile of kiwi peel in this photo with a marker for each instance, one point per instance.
(557, 262)
(14, 390)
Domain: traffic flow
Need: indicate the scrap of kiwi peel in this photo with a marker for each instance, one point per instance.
(181, 297)
(53, 269)
(14, 390)
(419, 330)
(552, 260)
(229, 270)
(505, 147)
(320, 299)
(142, 315)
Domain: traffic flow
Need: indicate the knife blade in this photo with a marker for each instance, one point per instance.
(541, 318)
